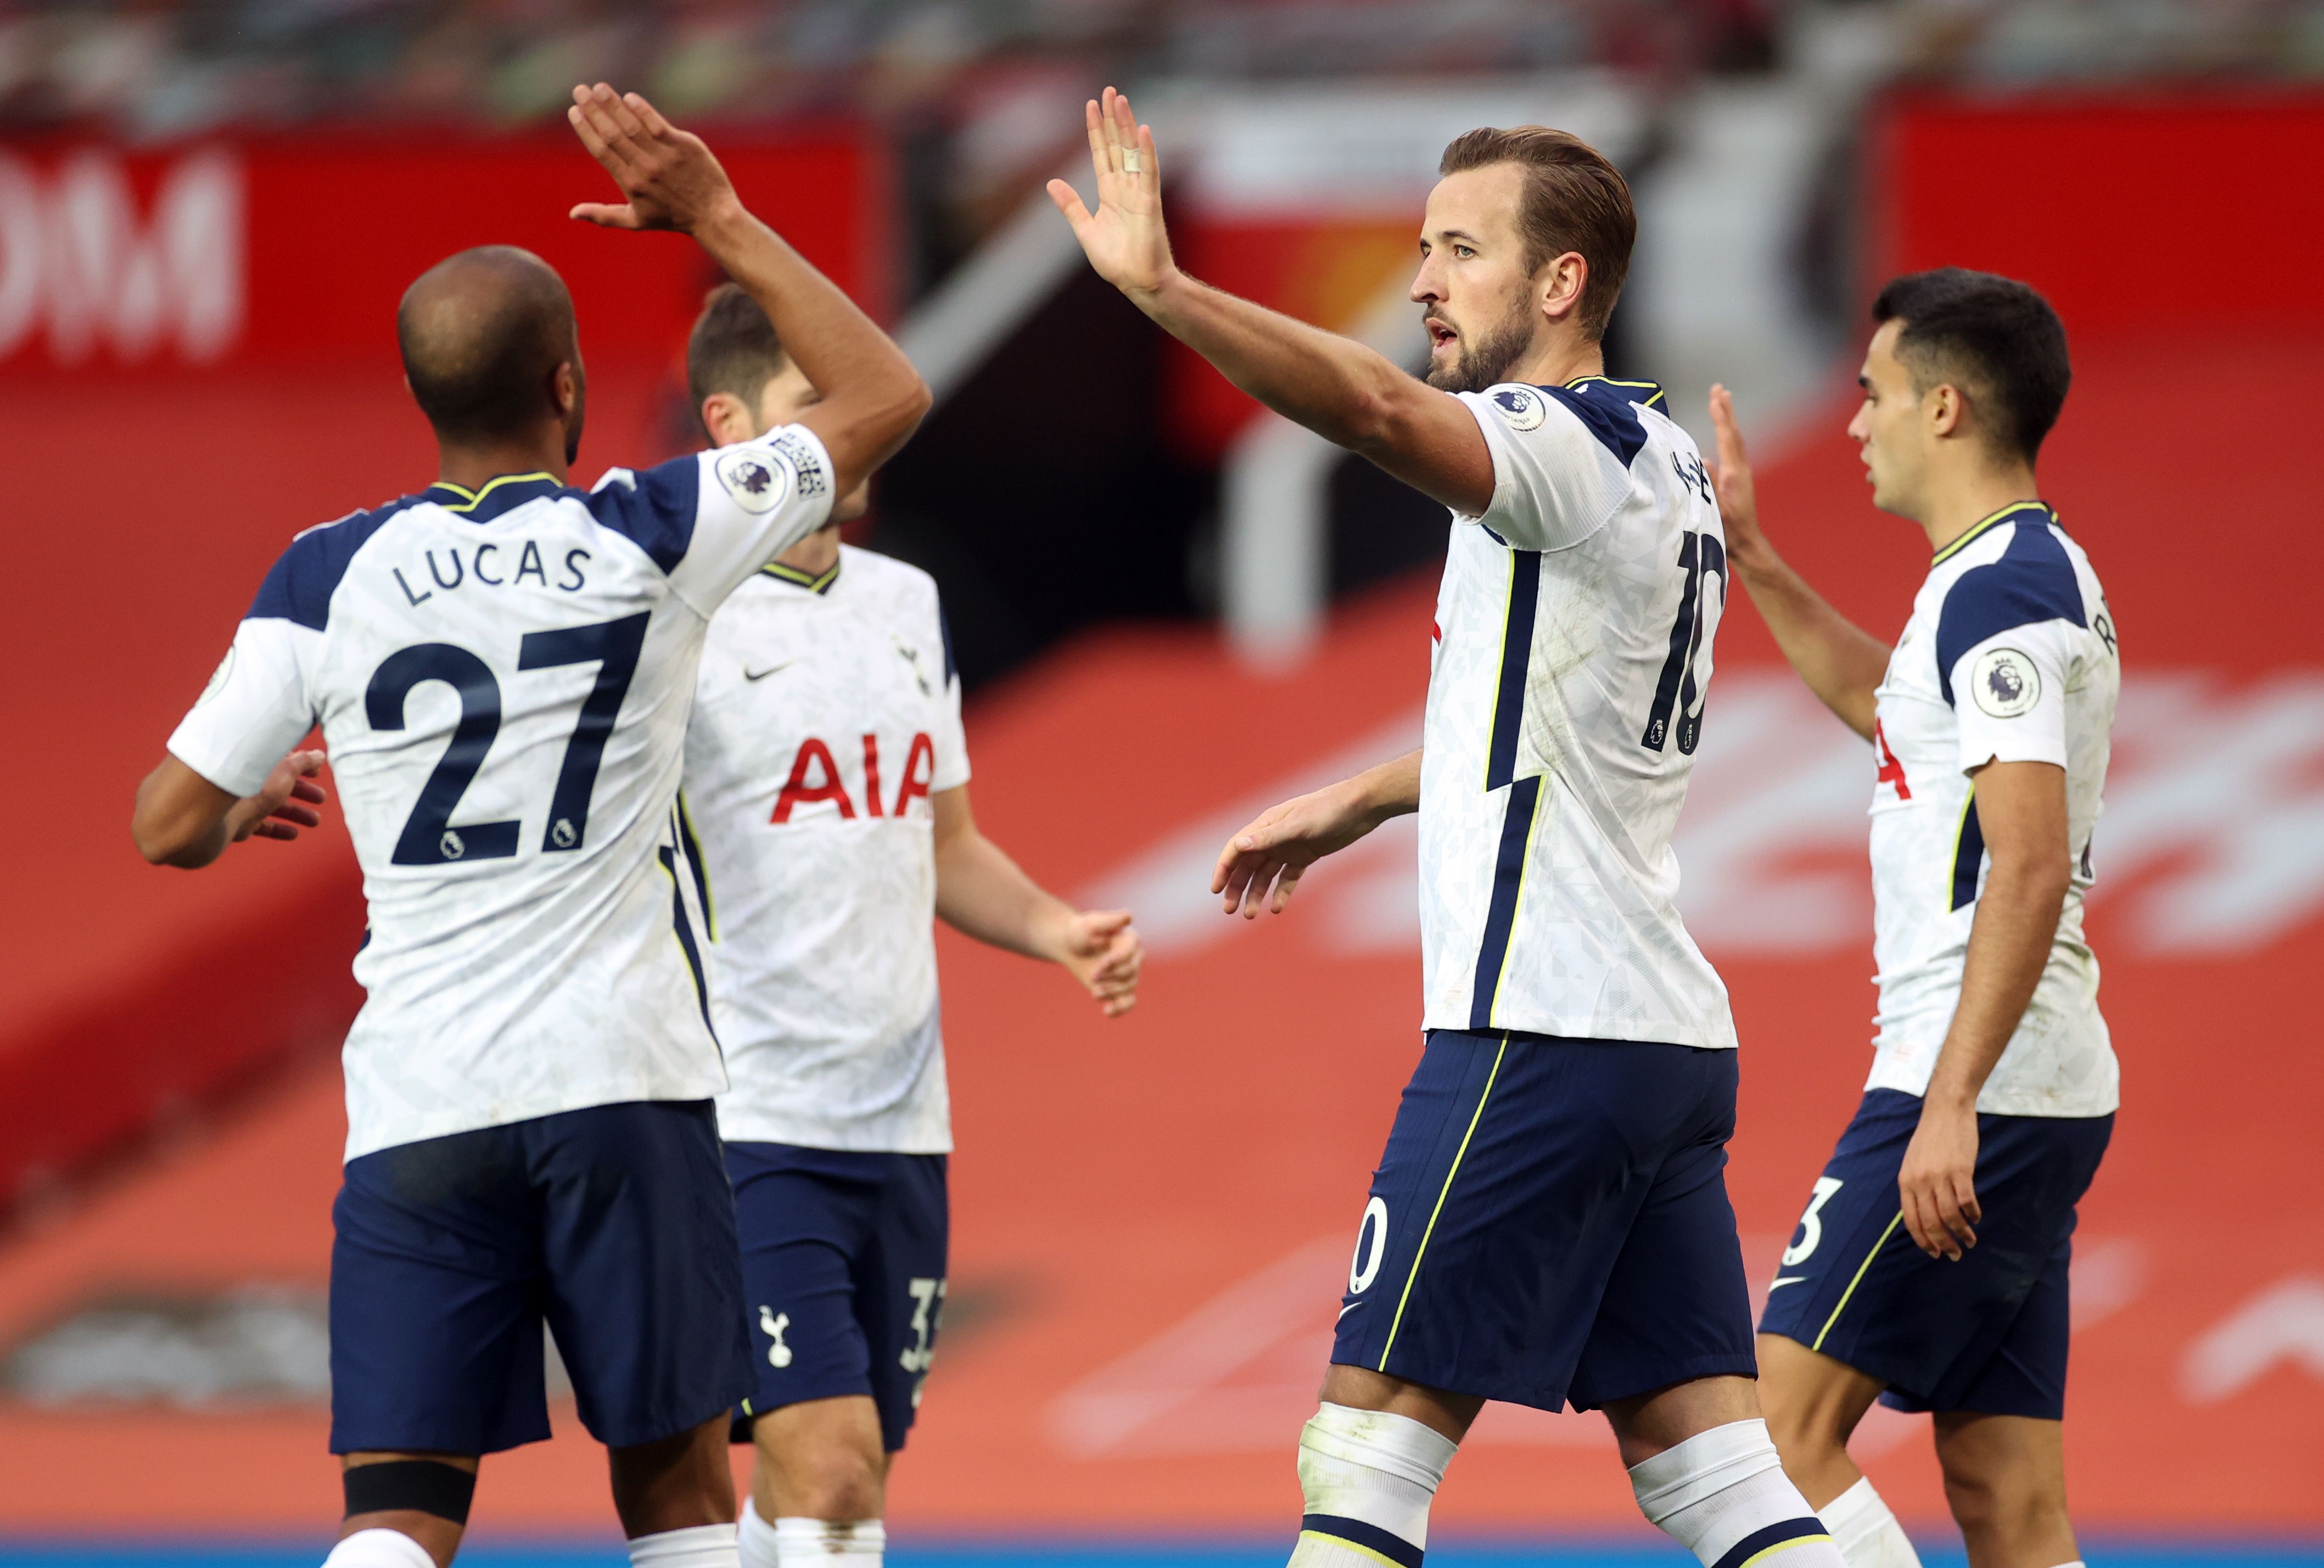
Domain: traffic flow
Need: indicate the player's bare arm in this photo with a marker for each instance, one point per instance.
(2022, 808)
(1342, 391)
(1841, 662)
(1262, 864)
(871, 397)
(981, 893)
(182, 819)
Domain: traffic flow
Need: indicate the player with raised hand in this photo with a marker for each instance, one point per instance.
(1929, 1270)
(826, 784)
(503, 667)
(1549, 1223)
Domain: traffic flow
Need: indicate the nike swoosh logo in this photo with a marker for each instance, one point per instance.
(1347, 1309)
(1783, 1279)
(750, 673)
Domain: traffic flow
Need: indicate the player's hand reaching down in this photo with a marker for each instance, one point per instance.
(1936, 1185)
(1124, 238)
(670, 178)
(284, 804)
(1262, 864)
(1102, 949)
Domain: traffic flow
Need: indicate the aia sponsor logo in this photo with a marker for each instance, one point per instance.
(816, 777)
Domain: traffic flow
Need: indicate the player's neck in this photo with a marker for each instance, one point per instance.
(1559, 359)
(472, 467)
(815, 554)
(1958, 502)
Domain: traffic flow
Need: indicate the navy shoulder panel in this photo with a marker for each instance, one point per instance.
(653, 510)
(2033, 581)
(299, 585)
(1614, 420)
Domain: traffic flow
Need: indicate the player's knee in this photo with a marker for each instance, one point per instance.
(2005, 1502)
(839, 1482)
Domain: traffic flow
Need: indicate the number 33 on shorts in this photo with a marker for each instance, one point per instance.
(1810, 1234)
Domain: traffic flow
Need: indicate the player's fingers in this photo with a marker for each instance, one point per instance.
(1111, 127)
(302, 815)
(632, 125)
(577, 117)
(1093, 121)
(308, 789)
(1069, 202)
(650, 118)
(1152, 175)
(1104, 922)
(606, 216)
(1965, 1205)
(1286, 886)
(273, 830)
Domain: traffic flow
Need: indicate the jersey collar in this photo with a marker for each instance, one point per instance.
(498, 494)
(812, 582)
(1645, 394)
(2007, 514)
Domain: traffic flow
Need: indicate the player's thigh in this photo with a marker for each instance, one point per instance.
(435, 1324)
(807, 1219)
(901, 1289)
(643, 1270)
(1674, 1309)
(1512, 1172)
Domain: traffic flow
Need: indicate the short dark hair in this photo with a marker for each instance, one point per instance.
(1993, 337)
(481, 333)
(733, 348)
(1574, 200)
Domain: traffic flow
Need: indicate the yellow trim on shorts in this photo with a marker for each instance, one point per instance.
(1459, 1155)
(1853, 1284)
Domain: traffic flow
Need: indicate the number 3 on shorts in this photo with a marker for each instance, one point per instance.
(1811, 1227)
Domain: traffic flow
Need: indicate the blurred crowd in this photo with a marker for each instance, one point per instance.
(149, 69)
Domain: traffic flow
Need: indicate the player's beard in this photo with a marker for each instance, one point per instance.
(1485, 361)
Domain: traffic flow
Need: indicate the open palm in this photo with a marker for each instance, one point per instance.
(1124, 239)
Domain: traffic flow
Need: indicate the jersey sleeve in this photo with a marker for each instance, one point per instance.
(711, 519)
(1560, 468)
(951, 739)
(255, 708)
(2009, 694)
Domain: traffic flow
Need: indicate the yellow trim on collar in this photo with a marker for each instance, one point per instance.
(1981, 524)
(782, 573)
(490, 486)
(1613, 380)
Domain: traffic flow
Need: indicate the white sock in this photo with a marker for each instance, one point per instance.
(1867, 1534)
(376, 1548)
(756, 1538)
(1368, 1478)
(696, 1546)
(801, 1543)
(1722, 1495)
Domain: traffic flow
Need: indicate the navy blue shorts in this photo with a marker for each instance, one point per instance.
(612, 1224)
(1988, 1334)
(1549, 1223)
(844, 1268)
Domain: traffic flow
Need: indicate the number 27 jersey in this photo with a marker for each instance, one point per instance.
(503, 679)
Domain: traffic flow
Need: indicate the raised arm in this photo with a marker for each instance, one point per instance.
(1842, 663)
(1342, 391)
(873, 398)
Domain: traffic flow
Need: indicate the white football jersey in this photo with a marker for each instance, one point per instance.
(502, 679)
(826, 713)
(2009, 657)
(1573, 656)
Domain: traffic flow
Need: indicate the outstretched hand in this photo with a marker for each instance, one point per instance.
(1278, 846)
(670, 178)
(283, 805)
(1730, 476)
(1103, 949)
(1125, 239)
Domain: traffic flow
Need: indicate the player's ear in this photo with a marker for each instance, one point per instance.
(1946, 410)
(1559, 284)
(725, 419)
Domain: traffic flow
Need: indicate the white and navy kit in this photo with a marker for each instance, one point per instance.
(2010, 657)
(502, 678)
(826, 718)
(1577, 1090)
